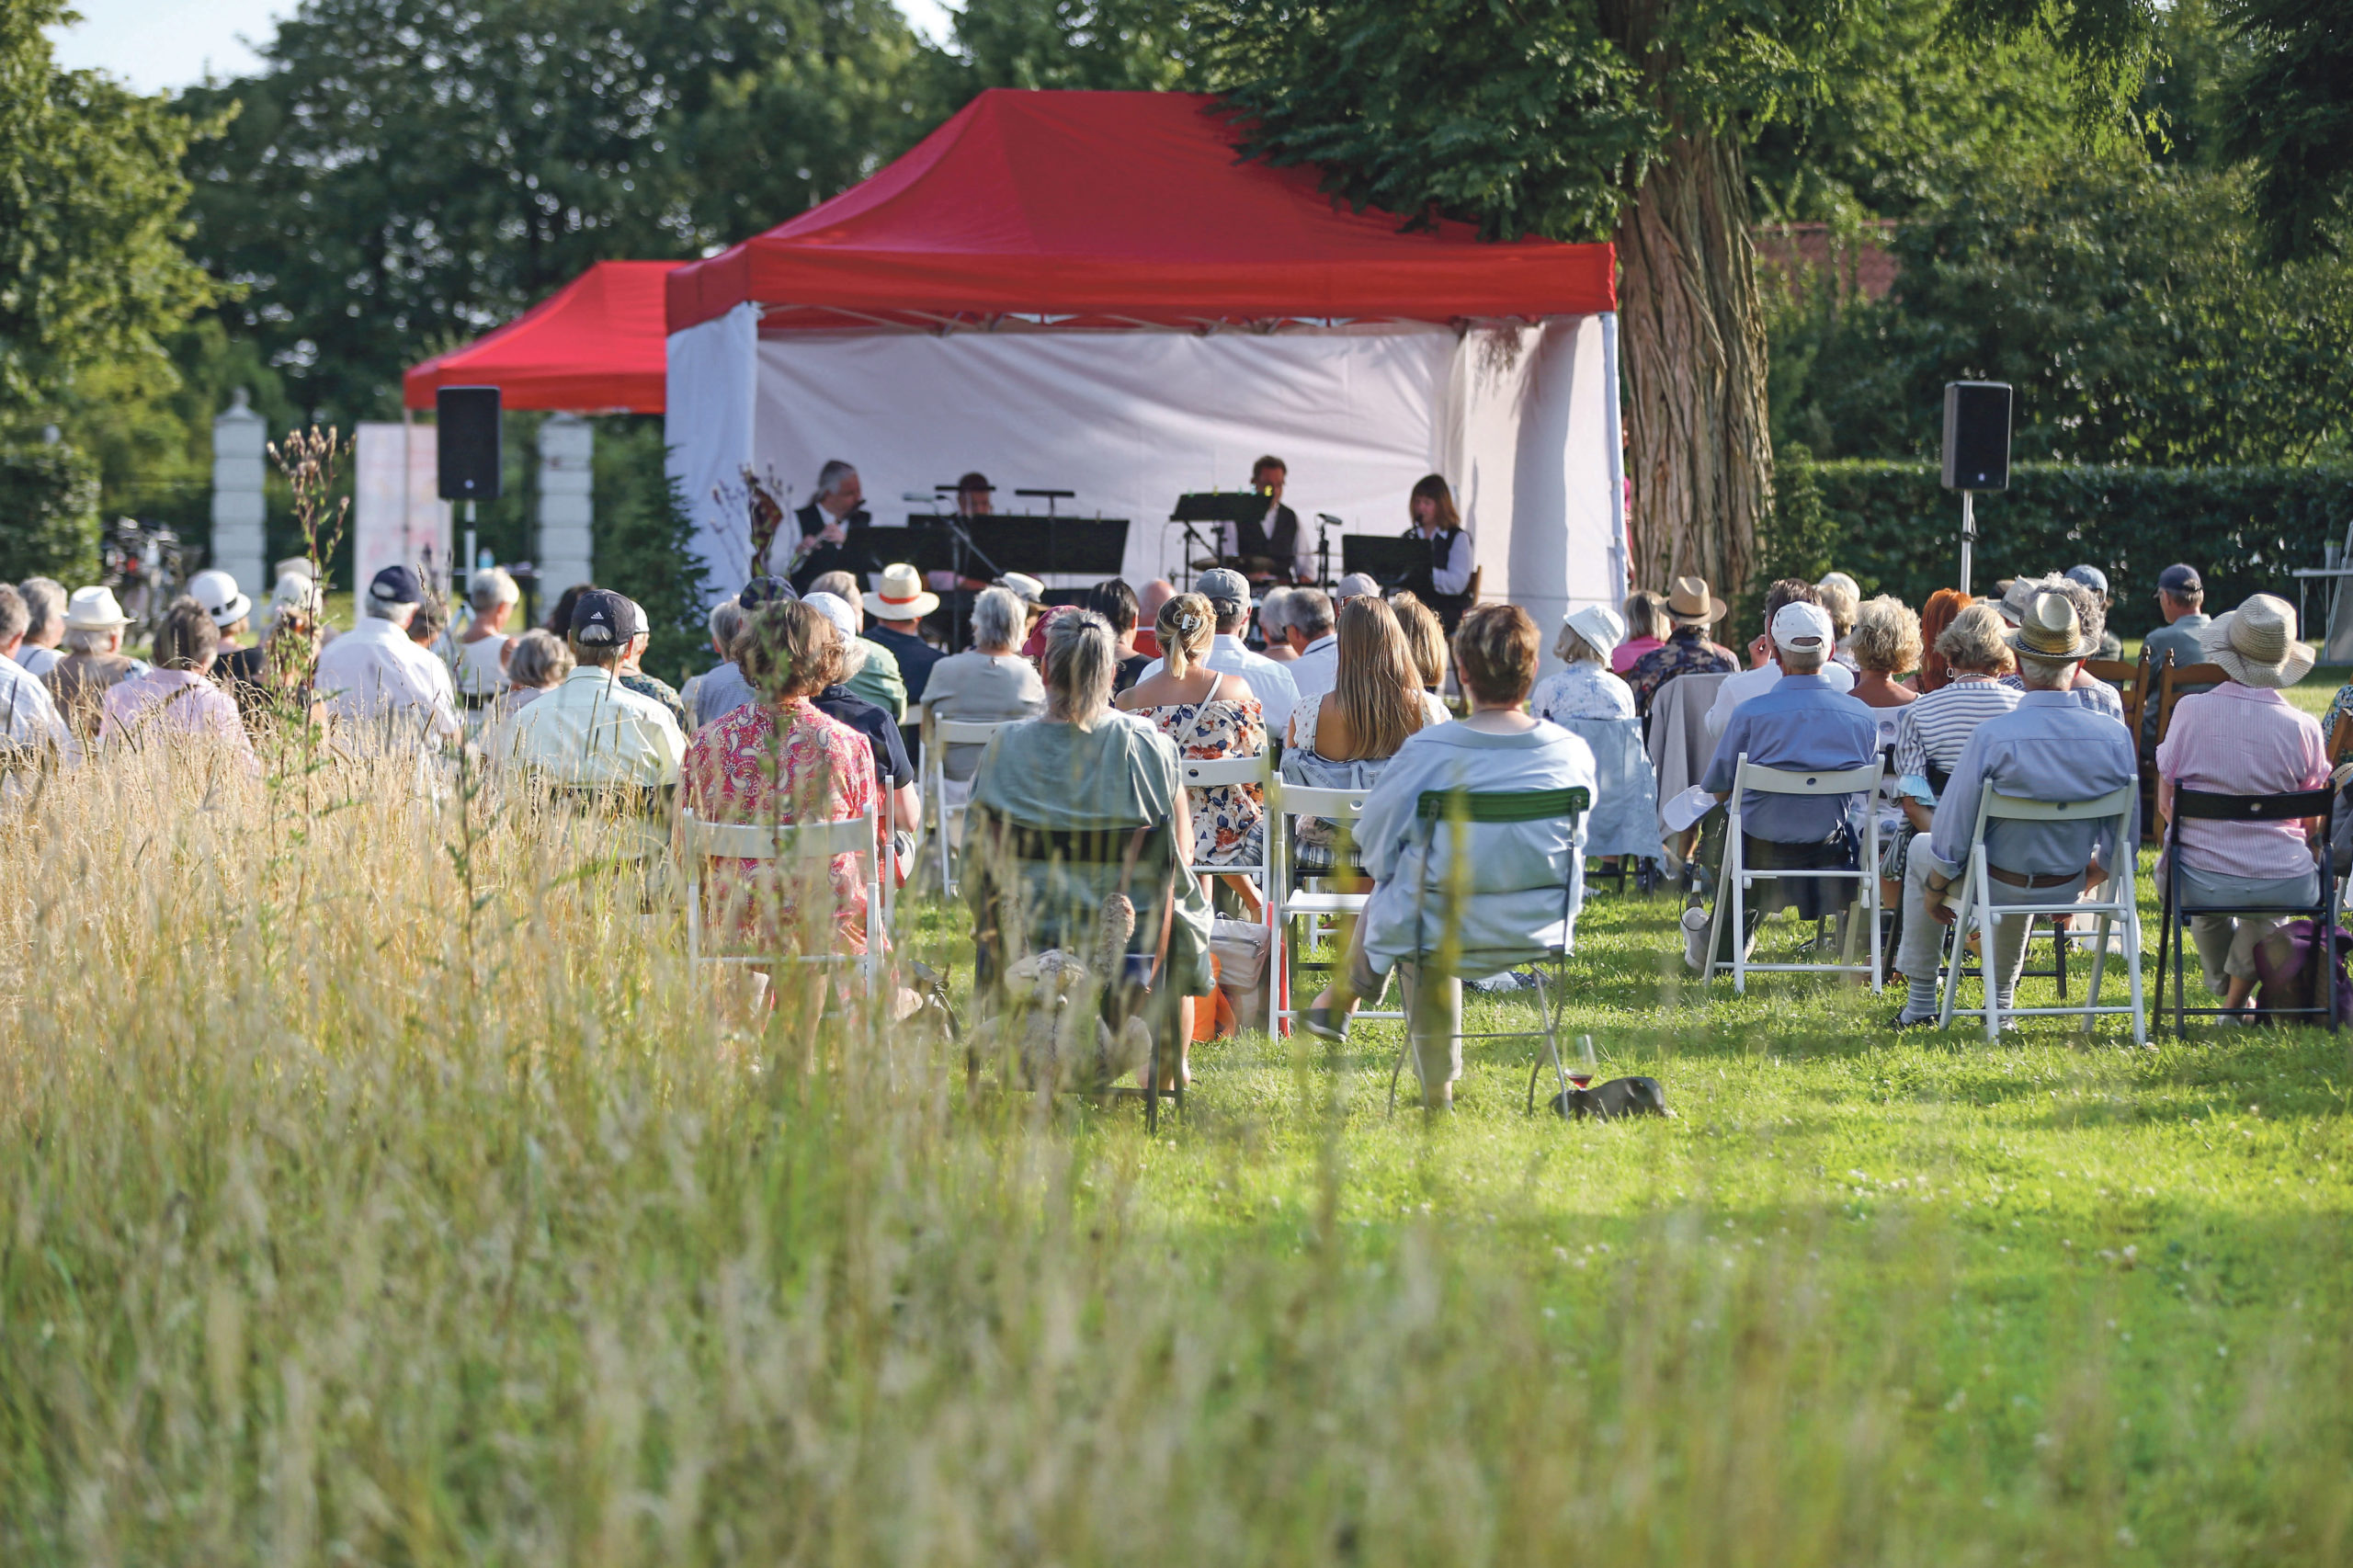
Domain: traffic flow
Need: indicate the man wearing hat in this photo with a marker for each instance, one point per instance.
(1687, 650)
(1804, 722)
(1355, 585)
(1765, 673)
(2181, 599)
(2050, 747)
(231, 610)
(591, 732)
(93, 661)
(32, 724)
(1229, 595)
(2244, 737)
(374, 677)
(897, 608)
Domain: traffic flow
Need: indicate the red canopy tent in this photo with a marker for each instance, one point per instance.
(1118, 210)
(596, 346)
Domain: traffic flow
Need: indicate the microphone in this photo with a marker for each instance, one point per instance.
(1328, 517)
(923, 496)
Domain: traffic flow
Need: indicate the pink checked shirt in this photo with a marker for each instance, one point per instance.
(2244, 740)
(173, 705)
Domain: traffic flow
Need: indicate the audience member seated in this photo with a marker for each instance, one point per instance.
(873, 670)
(1691, 609)
(591, 732)
(1645, 616)
(2181, 599)
(2244, 737)
(838, 699)
(1842, 598)
(779, 762)
(93, 660)
(1343, 738)
(45, 611)
(989, 684)
(1426, 641)
(1272, 624)
(1943, 605)
(2050, 747)
(1585, 689)
(1271, 683)
(1080, 769)
(1804, 722)
(1885, 646)
(492, 594)
(1353, 585)
(1930, 733)
(1116, 602)
(378, 684)
(2095, 582)
(703, 694)
(176, 702)
(1210, 716)
(1308, 637)
(277, 680)
(1764, 671)
(34, 732)
(634, 678)
(1506, 896)
(1035, 610)
(896, 609)
(537, 662)
(2088, 689)
(231, 612)
(1149, 600)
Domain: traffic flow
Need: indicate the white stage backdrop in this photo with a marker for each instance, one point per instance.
(397, 517)
(1523, 423)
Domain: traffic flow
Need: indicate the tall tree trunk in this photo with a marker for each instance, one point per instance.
(1699, 453)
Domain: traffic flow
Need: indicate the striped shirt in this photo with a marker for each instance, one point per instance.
(1930, 733)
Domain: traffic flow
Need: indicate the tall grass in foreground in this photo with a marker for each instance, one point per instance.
(376, 1190)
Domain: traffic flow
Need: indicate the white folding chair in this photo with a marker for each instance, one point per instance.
(802, 843)
(1734, 878)
(1235, 770)
(1978, 909)
(1285, 803)
(938, 734)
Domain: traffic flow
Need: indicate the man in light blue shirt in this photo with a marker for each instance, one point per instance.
(1803, 724)
(2051, 748)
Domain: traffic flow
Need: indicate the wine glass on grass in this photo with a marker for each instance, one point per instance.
(1582, 1074)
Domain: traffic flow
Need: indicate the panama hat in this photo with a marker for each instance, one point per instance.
(217, 591)
(1600, 626)
(2048, 630)
(94, 609)
(1689, 600)
(2255, 644)
(901, 596)
(1025, 588)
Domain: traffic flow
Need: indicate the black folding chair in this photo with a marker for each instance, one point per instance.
(2204, 805)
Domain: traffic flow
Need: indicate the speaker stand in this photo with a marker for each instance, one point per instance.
(1968, 535)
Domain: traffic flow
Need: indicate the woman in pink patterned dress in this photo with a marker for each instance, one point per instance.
(1210, 716)
(781, 761)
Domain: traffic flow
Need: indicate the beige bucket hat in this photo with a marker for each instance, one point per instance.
(2257, 643)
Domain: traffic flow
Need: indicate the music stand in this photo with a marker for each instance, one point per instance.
(1219, 506)
(1385, 558)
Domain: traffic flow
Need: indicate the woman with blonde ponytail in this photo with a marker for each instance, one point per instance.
(1209, 715)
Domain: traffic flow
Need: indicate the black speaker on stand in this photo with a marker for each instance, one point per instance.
(466, 449)
(1977, 450)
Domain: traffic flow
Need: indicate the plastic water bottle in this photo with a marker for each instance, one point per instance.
(1695, 939)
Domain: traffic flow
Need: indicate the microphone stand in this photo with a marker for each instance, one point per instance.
(1325, 523)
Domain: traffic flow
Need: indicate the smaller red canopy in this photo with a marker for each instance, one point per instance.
(595, 346)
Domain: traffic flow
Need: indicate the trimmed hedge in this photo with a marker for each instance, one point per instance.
(2244, 528)
(49, 515)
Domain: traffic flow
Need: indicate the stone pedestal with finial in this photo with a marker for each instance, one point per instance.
(239, 512)
(567, 456)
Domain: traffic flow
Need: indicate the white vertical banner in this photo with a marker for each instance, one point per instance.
(397, 518)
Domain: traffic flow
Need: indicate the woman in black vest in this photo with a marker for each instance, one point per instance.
(1443, 582)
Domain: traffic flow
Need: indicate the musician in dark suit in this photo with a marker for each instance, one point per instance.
(952, 621)
(1274, 537)
(824, 543)
(1444, 582)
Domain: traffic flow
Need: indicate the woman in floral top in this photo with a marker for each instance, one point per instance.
(1210, 716)
(780, 761)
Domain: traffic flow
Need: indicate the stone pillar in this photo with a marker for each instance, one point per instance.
(238, 512)
(567, 450)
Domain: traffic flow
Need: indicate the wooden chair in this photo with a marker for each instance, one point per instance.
(2131, 681)
(2180, 681)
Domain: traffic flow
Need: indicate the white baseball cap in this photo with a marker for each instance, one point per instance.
(1356, 585)
(836, 608)
(1803, 626)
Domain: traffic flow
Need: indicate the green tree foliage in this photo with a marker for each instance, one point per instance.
(48, 514)
(406, 174)
(2128, 303)
(1096, 44)
(91, 269)
(2292, 113)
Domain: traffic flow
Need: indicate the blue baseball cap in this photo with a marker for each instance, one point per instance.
(396, 585)
(764, 591)
(2091, 577)
(2179, 579)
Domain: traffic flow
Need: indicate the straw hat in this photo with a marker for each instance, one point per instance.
(2255, 644)
(1689, 600)
(901, 596)
(94, 609)
(1600, 626)
(2048, 630)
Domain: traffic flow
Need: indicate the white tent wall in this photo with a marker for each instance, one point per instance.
(1521, 420)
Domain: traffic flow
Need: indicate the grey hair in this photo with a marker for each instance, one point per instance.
(1274, 612)
(999, 618)
(2090, 613)
(91, 639)
(726, 620)
(14, 617)
(370, 604)
(44, 603)
(1080, 663)
(829, 478)
(538, 659)
(2045, 674)
(1306, 609)
(1800, 661)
